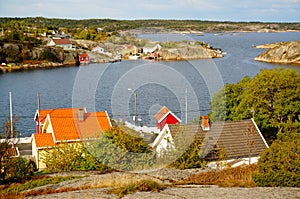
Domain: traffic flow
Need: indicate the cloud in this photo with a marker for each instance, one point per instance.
(234, 10)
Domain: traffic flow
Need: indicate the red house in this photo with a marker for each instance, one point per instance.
(165, 116)
(84, 58)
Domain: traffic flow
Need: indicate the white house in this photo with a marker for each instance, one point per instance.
(101, 50)
(150, 48)
(66, 44)
(239, 140)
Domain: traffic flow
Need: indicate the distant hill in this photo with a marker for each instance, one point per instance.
(111, 25)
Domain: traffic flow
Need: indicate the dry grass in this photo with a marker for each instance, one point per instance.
(139, 186)
(231, 177)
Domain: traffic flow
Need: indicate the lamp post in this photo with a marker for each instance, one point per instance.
(134, 95)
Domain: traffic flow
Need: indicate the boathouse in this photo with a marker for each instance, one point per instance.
(84, 58)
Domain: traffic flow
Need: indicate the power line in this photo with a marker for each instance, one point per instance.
(140, 114)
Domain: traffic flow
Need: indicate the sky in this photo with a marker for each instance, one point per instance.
(216, 10)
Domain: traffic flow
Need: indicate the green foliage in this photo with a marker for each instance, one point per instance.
(49, 55)
(12, 169)
(279, 166)
(17, 169)
(143, 185)
(69, 157)
(120, 150)
(272, 97)
(191, 157)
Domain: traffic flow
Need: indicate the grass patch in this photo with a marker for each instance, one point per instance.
(231, 177)
(140, 186)
(14, 190)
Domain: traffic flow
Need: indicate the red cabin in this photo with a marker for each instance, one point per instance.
(165, 116)
(84, 58)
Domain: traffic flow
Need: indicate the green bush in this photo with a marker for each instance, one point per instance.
(279, 166)
(191, 157)
(49, 55)
(70, 157)
(16, 169)
(121, 150)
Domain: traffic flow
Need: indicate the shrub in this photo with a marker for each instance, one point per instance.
(17, 169)
(69, 157)
(279, 165)
(191, 157)
(121, 150)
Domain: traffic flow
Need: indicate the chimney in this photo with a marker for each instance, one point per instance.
(205, 123)
(81, 114)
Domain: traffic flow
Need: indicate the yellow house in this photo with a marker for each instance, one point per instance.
(71, 125)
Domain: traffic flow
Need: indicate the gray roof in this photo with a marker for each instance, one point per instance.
(238, 138)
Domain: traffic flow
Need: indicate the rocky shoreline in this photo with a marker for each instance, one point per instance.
(282, 53)
(51, 57)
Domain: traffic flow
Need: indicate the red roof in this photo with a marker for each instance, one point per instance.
(163, 113)
(83, 55)
(62, 41)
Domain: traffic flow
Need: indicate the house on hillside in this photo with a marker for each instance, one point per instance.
(151, 48)
(165, 116)
(240, 141)
(66, 44)
(100, 50)
(129, 49)
(71, 125)
(84, 58)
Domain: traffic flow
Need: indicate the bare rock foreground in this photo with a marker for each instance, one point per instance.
(100, 184)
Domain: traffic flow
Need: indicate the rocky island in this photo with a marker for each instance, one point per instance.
(282, 52)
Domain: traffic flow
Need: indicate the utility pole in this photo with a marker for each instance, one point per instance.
(186, 107)
(39, 116)
(134, 96)
(10, 113)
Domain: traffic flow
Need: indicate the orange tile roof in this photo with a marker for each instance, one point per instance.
(164, 110)
(43, 139)
(67, 126)
(93, 124)
(43, 114)
(63, 123)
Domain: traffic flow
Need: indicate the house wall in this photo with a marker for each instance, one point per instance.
(41, 154)
(51, 43)
(166, 144)
(34, 152)
(66, 46)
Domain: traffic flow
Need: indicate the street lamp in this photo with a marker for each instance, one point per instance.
(134, 95)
